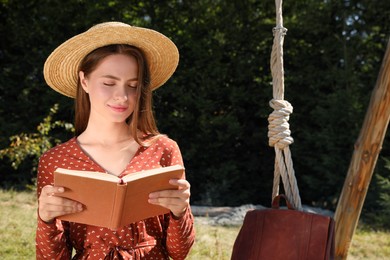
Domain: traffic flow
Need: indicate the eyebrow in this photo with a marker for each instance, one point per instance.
(116, 78)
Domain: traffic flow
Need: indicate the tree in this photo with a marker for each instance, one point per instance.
(216, 104)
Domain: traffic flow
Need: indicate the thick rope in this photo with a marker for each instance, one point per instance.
(278, 128)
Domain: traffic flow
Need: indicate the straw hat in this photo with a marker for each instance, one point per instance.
(61, 67)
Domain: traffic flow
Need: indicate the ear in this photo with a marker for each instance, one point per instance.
(83, 81)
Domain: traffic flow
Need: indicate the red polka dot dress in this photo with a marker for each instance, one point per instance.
(159, 237)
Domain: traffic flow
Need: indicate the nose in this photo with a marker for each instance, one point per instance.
(121, 94)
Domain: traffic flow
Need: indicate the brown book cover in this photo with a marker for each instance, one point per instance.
(113, 202)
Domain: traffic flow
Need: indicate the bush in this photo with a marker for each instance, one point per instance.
(26, 148)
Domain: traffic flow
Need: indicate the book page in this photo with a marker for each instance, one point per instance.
(90, 174)
(136, 206)
(147, 173)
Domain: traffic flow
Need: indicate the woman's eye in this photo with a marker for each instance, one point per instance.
(132, 86)
(108, 84)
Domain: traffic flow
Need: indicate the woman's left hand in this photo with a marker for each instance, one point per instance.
(177, 201)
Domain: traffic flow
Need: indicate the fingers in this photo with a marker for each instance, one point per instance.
(182, 193)
(170, 195)
(51, 206)
(176, 201)
(182, 184)
(175, 205)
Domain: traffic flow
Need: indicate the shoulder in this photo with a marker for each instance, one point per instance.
(166, 143)
(171, 153)
(164, 140)
(59, 149)
(50, 160)
(163, 150)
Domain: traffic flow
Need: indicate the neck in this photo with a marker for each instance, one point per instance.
(106, 134)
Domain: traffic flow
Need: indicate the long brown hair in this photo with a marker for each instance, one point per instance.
(142, 119)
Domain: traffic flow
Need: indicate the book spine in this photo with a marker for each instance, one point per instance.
(117, 212)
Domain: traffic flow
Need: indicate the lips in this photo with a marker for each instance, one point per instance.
(118, 108)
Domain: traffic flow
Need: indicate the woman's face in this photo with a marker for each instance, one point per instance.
(112, 88)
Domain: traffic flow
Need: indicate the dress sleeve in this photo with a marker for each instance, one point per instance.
(171, 154)
(180, 235)
(180, 232)
(51, 239)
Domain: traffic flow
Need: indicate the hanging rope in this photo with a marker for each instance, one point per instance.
(278, 128)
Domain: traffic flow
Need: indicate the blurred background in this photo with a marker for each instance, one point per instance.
(216, 104)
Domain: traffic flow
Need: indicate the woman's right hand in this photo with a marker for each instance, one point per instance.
(51, 206)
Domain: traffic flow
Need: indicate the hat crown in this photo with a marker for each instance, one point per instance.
(61, 67)
(109, 24)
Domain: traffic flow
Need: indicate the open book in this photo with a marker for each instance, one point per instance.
(113, 202)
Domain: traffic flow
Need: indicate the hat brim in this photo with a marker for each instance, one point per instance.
(61, 67)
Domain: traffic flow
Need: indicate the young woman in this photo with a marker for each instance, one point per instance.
(111, 70)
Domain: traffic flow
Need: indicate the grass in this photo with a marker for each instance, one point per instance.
(212, 242)
(18, 220)
(17, 225)
(370, 244)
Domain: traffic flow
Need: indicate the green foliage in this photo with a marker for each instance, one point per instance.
(331, 68)
(32, 145)
(385, 198)
(216, 104)
(377, 207)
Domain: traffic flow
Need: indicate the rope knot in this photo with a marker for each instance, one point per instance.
(282, 30)
(278, 126)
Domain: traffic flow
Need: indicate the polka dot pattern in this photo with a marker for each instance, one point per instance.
(155, 238)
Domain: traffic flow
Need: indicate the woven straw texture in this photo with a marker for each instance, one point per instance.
(61, 67)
